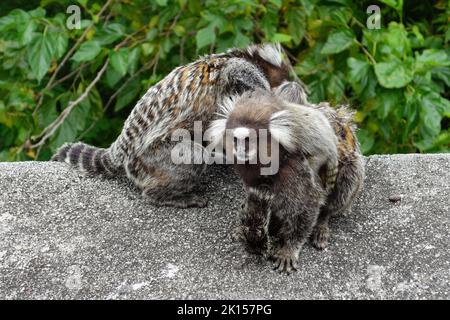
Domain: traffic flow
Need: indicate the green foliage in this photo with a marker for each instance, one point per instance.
(397, 77)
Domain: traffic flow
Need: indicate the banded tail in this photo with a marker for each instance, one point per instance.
(331, 176)
(328, 175)
(87, 158)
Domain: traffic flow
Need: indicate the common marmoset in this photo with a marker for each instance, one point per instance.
(189, 93)
(284, 208)
(350, 176)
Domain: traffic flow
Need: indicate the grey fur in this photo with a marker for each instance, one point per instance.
(292, 92)
(187, 94)
(320, 175)
(281, 210)
(349, 175)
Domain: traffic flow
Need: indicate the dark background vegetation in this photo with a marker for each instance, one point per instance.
(397, 78)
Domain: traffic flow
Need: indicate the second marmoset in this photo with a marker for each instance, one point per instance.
(318, 172)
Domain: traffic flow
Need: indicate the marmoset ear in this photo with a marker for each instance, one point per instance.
(216, 130)
(292, 92)
(280, 127)
(269, 52)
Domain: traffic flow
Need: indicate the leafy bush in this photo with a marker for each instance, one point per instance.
(59, 84)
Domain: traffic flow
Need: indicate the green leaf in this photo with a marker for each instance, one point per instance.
(317, 89)
(17, 18)
(5, 119)
(60, 42)
(396, 4)
(112, 76)
(442, 74)
(7, 22)
(387, 100)
(67, 132)
(127, 95)
(341, 15)
(161, 3)
(434, 100)
(358, 69)
(338, 41)
(40, 53)
(87, 51)
(393, 74)
(241, 41)
(119, 60)
(335, 87)
(395, 41)
(309, 6)
(277, 3)
(220, 22)
(133, 60)
(281, 37)
(26, 32)
(361, 77)
(431, 118)
(205, 37)
(47, 113)
(37, 13)
(296, 20)
(269, 23)
(115, 28)
(366, 140)
(431, 58)
(110, 33)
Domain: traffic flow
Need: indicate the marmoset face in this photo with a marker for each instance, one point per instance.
(245, 144)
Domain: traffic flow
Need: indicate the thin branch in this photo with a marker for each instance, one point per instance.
(291, 56)
(50, 130)
(367, 53)
(292, 71)
(68, 76)
(145, 67)
(175, 20)
(156, 61)
(183, 40)
(67, 56)
(128, 37)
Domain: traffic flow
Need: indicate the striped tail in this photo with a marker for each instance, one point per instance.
(331, 175)
(328, 175)
(87, 158)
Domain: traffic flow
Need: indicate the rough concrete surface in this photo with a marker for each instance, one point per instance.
(63, 235)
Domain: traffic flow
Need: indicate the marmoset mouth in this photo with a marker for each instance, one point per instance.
(244, 156)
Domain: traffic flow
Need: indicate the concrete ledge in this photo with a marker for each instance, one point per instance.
(66, 236)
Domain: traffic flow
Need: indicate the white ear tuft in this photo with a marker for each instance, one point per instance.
(271, 52)
(292, 92)
(216, 131)
(226, 107)
(280, 127)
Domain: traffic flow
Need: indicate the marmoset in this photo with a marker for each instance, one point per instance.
(350, 171)
(285, 207)
(189, 93)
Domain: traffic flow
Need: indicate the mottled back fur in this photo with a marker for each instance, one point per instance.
(189, 93)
